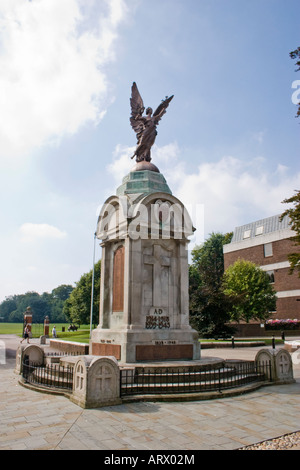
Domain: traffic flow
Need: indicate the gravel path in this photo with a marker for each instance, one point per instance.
(286, 442)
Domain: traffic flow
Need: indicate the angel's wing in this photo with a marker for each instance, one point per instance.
(161, 110)
(137, 109)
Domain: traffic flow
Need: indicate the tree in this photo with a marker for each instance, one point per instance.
(8, 306)
(39, 305)
(12, 308)
(62, 292)
(58, 297)
(296, 55)
(249, 288)
(209, 307)
(78, 306)
(294, 215)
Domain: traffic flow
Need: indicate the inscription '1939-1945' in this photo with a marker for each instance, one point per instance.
(157, 322)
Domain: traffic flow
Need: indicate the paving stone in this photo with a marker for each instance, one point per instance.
(31, 420)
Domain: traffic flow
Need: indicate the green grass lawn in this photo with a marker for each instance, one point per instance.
(81, 335)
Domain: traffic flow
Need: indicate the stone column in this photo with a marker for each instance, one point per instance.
(184, 285)
(104, 289)
(46, 326)
(135, 282)
(127, 267)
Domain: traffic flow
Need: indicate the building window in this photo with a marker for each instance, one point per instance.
(271, 276)
(259, 230)
(268, 249)
(247, 234)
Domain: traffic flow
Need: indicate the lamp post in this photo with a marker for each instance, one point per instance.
(92, 293)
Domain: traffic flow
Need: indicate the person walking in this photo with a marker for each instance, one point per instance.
(54, 332)
(26, 334)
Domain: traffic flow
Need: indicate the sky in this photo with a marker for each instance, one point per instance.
(228, 145)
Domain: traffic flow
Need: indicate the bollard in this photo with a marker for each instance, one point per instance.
(273, 342)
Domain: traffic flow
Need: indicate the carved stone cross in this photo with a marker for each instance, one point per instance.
(104, 378)
(283, 364)
(158, 261)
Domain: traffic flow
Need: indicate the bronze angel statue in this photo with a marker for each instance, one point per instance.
(145, 126)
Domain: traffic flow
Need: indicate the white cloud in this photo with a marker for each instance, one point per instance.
(230, 191)
(52, 68)
(121, 162)
(235, 192)
(32, 232)
(259, 136)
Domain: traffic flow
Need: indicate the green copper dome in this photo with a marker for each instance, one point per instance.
(143, 181)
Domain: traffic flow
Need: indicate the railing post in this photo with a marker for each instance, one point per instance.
(270, 371)
(273, 342)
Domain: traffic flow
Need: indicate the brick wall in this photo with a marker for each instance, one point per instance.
(286, 307)
(285, 281)
(255, 254)
(69, 346)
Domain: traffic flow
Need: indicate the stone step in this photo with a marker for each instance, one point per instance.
(54, 376)
(179, 376)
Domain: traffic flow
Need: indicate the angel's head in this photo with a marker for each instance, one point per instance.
(149, 111)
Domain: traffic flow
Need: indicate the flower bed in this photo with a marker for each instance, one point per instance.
(282, 324)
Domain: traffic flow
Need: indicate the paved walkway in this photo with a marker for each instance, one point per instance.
(33, 420)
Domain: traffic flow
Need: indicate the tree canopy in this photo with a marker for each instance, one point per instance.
(249, 288)
(77, 307)
(209, 307)
(294, 215)
(242, 293)
(64, 303)
(13, 307)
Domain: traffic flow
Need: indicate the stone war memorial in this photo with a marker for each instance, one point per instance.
(144, 346)
(144, 230)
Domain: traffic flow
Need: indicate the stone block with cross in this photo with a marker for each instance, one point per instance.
(280, 368)
(96, 382)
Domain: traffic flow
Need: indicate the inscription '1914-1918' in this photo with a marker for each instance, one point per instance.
(157, 319)
(154, 322)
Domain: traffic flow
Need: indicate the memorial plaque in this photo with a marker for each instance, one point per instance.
(118, 280)
(156, 352)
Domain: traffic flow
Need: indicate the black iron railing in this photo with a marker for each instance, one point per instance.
(51, 375)
(148, 380)
(166, 380)
(62, 353)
